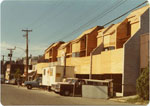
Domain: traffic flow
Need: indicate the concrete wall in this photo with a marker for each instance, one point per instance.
(90, 91)
(132, 57)
(144, 50)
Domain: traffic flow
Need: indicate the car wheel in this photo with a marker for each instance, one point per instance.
(66, 93)
(29, 86)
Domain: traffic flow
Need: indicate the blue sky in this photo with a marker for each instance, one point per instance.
(52, 20)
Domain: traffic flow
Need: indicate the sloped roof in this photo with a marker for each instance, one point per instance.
(109, 29)
(87, 32)
(53, 45)
(63, 45)
(139, 11)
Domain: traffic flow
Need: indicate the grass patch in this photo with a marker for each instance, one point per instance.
(137, 100)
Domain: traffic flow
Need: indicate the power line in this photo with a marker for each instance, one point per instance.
(125, 13)
(52, 16)
(85, 15)
(44, 15)
(75, 31)
(108, 10)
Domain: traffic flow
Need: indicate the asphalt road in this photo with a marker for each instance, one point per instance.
(12, 95)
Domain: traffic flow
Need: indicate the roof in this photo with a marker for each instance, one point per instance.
(87, 32)
(109, 29)
(138, 11)
(53, 45)
(64, 45)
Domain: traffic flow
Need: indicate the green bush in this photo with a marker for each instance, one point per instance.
(142, 84)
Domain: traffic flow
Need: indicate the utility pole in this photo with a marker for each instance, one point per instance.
(3, 58)
(2, 71)
(27, 60)
(11, 52)
(65, 65)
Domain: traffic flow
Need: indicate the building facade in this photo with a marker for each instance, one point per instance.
(116, 52)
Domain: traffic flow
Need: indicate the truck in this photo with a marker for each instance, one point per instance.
(53, 74)
(70, 87)
(34, 83)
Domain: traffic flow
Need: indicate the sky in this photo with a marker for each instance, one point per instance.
(54, 20)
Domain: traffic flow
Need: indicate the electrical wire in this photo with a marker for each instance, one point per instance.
(108, 10)
(70, 34)
(44, 15)
(53, 17)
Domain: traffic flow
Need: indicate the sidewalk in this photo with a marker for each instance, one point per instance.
(132, 98)
(123, 99)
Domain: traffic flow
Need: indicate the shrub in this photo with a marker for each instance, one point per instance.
(142, 84)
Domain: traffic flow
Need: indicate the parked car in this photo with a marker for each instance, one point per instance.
(70, 87)
(34, 83)
(6, 81)
(13, 81)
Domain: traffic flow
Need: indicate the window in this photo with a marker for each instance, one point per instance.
(76, 54)
(109, 48)
(59, 59)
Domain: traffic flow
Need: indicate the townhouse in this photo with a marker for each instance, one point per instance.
(64, 51)
(51, 52)
(115, 52)
(11, 70)
(85, 43)
(117, 55)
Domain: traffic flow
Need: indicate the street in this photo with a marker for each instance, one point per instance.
(12, 95)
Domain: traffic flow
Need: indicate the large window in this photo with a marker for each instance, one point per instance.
(76, 54)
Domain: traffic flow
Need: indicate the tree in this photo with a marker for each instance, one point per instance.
(17, 74)
(142, 84)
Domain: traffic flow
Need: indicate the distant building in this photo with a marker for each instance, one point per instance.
(11, 70)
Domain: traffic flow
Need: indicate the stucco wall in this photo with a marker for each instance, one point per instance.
(108, 62)
(76, 47)
(132, 57)
(40, 66)
(99, 40)
(82, 64)
(46, 55)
